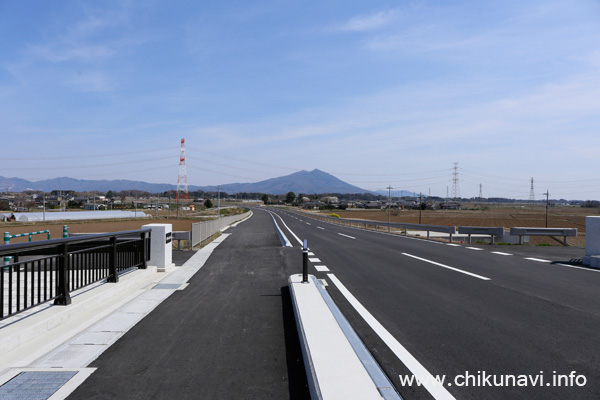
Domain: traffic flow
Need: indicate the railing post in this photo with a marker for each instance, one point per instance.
(143, 250)
(6, 241)
(112, 261)
(63, 298)
(305, 262)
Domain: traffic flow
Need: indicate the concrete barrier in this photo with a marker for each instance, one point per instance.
(333, 367)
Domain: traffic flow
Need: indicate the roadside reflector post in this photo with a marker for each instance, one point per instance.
(305, 262)
(65, 231)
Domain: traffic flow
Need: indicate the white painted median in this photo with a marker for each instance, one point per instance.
(333, 369)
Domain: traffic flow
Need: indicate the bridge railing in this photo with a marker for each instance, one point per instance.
(203, 230)
(50, 270)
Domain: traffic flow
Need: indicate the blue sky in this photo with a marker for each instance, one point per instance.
(377, 93)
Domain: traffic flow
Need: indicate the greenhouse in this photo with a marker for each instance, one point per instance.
(74, 215)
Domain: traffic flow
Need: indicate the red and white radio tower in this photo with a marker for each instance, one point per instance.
(182, 186)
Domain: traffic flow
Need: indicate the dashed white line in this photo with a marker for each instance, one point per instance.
(310, 253)
(314, 260)
(501, 253)
(448, 267)
(351, 237)
(537, 259)
(307, 223)
(437, 390)
(474, 248)
(321, 268)
(452, 244)
(320, 227)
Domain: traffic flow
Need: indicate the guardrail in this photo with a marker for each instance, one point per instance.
(51, 269)
(450, 230)
(203, 230)
(481, 230)
(564, 232)
(181, 235)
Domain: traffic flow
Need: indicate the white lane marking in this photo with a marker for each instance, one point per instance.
(452, 244)
(473, 248)
(501, 253)
(537, 259)
(300, 220)
(574, 266)
(314, 260)
(448, 267)
(288, 228)
(351, 237)
(321, 268)
(320, 227)
(307, 223)
(310, 253)
(429, 382)
(286, 242)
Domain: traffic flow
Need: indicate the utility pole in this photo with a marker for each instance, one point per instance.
(389, 188)
(420, 208)
(219, 202)
(547, 202)
(44, 202)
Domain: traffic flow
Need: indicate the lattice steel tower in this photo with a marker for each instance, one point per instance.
(455, 187)
(182, 186)
(531, 192)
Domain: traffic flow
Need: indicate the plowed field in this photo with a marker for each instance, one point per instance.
(501, 216)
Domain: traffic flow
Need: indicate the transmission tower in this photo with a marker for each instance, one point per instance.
(455, 187)
(480, 191)
(182, 186)
(531, 192)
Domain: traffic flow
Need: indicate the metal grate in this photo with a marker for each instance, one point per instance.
(35, 385)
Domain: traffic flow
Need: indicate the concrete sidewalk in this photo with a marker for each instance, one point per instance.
(219, 328)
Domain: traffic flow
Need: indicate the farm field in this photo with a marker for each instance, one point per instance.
(498, 216)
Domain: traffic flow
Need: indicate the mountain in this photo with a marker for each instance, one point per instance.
(308, 182)
(81, 185)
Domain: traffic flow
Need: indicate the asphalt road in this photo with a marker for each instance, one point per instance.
(466, 310)
(230, 334)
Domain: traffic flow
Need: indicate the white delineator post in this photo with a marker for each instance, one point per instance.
(161, 250)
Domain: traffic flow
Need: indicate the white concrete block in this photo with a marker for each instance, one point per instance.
(592, 236)
(161, 250)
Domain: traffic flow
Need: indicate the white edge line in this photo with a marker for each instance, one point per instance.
(435, 388)
(351, 237)
(574, 266)
(448, 267)
(293, 234)
(287, 242)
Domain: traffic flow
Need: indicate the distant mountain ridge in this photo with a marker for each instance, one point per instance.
(308, 182)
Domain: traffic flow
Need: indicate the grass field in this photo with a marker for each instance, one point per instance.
(498, 216)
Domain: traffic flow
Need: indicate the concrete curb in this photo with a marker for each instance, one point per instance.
(333, 368)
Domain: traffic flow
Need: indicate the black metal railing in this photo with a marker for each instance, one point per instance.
(51, 269)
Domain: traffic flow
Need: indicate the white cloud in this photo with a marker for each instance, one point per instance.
(369, 22)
